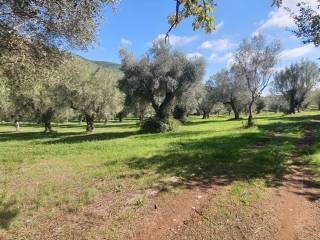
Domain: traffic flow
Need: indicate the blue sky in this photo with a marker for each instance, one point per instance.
(136, 23)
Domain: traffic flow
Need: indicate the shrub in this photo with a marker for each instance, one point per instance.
(180, 113)
(155, 125)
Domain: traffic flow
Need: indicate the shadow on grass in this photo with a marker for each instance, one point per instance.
(204, 121)
(92, 137)
(26, 136)
(8, 211)
(101, 125)
(224, 159)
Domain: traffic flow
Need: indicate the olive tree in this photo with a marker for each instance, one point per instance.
(159, 77)
(91, 90)
(307, 20)
(255, 60)
(5, 104)
(34, 97)
(231, 89)
(260, 105)
(295, 82)
(206, 99)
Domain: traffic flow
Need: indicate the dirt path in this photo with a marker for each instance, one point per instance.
(295, 205)
(288, 212)
(167, 214)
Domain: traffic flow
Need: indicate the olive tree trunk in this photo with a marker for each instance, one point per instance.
(206, 115)
(47, 118)
(292, 109)
(47, 127)
(250, 110)
(235, 111)
(18, 129)
(90, 123)
(162, 110)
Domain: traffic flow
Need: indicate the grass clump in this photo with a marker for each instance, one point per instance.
(155, 125)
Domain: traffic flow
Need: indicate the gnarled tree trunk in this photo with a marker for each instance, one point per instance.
(250, 118)
(235, 111)
(90, 123)
(47, 119)
(162, 110)
(206, 115)
(47, 127)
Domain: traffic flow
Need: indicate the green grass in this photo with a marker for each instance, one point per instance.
(43, 174)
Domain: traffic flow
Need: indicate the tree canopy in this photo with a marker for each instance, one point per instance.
(160, 76)
(255, 60)
(295, 82)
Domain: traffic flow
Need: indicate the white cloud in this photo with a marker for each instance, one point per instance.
(219, 26)
(179, 41)
(255, 34)
(280, 17)
(219, 59)
(194, 55)
(297, 52)
(125, 41)
(218, 45)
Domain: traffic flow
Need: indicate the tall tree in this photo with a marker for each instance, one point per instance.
(206, 99)
(307, 20)
(34, 96)
(160, 76)
(34, 33)
(308, 23)
(256, 60)
(90, 90)
(231, 89)
(295, 82)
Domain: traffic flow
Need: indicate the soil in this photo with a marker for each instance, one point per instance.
(289, 211)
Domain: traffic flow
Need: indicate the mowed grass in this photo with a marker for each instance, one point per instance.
(42, 175)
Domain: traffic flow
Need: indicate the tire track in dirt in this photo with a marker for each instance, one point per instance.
(290, 212)
(295, 205)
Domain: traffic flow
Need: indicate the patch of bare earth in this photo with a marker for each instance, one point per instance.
(198, 210)
(295, 206)
(290, 211)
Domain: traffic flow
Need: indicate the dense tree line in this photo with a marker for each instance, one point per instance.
(41, 82)
(162, 84)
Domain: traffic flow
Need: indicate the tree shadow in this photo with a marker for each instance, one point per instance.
(224, 159)
(26, 136)
(204, 121)
(8, 211)
(100, 125)
(79, 138)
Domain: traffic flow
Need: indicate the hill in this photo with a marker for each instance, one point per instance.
(107, 64)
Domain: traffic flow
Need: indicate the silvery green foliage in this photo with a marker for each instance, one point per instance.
(53, 23)
(90, 89)
(255, 60)
(35, 33)
(206, 98)
(5, 104)
(231, 89)
(295, 82)
(159, 77)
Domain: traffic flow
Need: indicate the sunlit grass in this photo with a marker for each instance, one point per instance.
(69, 169)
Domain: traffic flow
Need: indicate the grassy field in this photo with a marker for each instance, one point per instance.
(44, 176)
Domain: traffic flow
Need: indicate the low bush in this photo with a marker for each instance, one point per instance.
(155, 125)
(180, 113)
